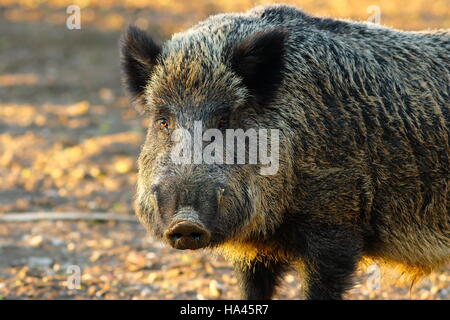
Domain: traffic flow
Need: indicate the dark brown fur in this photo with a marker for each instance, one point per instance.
(364, 116)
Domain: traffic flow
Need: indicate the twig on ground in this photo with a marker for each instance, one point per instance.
(35, 216)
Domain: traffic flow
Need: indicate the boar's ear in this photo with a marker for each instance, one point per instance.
(138, 58)
(258, 59)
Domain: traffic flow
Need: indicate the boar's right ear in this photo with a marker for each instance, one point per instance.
(259, 60)
(139, 54)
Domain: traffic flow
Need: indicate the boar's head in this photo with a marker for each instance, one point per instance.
(201, 76)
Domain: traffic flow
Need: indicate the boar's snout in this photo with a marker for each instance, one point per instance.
(187, 234)
(188, 211)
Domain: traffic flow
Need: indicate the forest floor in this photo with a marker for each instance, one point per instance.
(69, 142)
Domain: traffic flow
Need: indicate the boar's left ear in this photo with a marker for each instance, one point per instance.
(258, 59)
(139, 54)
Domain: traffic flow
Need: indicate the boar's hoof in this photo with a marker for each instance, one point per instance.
(187, 235)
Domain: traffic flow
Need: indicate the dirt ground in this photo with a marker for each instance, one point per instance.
(69, 141)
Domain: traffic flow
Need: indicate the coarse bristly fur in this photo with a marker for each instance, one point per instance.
(363, 113)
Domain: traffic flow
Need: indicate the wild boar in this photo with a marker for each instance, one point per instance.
(362, 115)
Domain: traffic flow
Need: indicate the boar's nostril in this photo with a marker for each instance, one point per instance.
(175, 236)
(196, 235)
(187, 235)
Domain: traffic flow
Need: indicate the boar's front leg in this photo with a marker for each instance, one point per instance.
(259, 280)
(329, 264)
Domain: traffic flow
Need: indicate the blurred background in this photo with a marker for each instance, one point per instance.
(69, 141)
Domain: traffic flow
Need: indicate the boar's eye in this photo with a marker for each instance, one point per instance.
(163, 123)
(222, 124)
